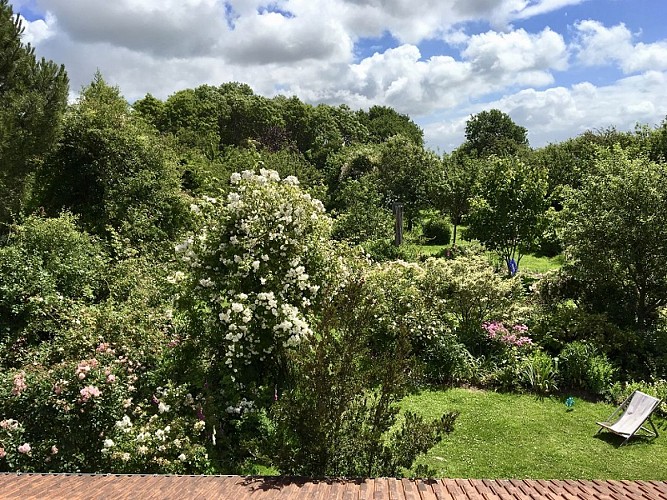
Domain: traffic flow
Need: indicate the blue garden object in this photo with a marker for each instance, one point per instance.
(569, 403)
(513, 267)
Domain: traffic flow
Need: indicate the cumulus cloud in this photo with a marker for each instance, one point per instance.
(175, 28)
(507, 53)
(275, 38)
(598, 45)
(38, 30)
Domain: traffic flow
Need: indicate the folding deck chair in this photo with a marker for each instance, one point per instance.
(636, 410)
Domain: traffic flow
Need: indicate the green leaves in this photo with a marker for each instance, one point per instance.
(507, 214)
(617, 236)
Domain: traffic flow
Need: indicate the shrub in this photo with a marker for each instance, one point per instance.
(469, 291)
(437, 231)
(336, 416)
(620, 391)
(583, 368)
(575, 361)
(539, 373)
(257, 274)
(49, 268)
(384, 250)
(600, 374)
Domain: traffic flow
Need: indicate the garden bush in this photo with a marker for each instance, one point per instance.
(256, 274)
(539, 373)
(437, 231)
(620, 391)
(582, 367)
(383, 250)
(469, 292)
(339, 414)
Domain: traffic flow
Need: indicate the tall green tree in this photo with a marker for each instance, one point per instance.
(456, 187)
(33, 96)
(384, 122)
(406, 173)
(113, 171)
(494, 133)
(617, 238)
(506, 216)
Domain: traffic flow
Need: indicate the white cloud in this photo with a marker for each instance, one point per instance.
(506, 53)
(532, 9)
(274, 38)
(164, 28)
(38, 30)
(598, 45)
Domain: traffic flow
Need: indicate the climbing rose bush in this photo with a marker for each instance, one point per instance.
(256, 274)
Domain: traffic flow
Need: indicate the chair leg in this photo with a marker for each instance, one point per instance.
(653, 426)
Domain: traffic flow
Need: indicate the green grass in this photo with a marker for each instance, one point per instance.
(529, 263)
(521, 436)
(533, 264)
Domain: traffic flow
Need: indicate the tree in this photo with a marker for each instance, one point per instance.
(32, 100)
(617, 238)
(114, 172)
(506, 216)
(362, 216)
(384, 122)
(193, 116)
(494, 132)
(405, 174)
(152, 110)
(456, 187)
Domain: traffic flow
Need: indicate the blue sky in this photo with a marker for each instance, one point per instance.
(558, 67)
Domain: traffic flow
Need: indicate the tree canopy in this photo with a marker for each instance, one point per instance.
(33, 96)
(494, 132)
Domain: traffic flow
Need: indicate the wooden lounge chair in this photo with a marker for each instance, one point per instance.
(636, 410)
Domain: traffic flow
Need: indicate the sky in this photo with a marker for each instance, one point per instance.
(557, 67)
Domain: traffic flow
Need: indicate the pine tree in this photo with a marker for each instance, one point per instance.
(33, 97)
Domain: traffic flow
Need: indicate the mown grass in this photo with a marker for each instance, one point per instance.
(529, 263)
(522, 436)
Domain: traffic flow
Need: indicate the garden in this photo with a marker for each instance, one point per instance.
(210, 285)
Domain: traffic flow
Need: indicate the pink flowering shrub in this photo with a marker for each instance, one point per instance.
(512, 337)
(19, 384)
(77, 404)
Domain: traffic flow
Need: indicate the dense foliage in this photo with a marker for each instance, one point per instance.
(209, 283)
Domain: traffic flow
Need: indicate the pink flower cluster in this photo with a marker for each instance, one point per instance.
(497, 331)
(84, 367)
(104, 347)
(9, 424)
(89, 392)
(19, 384)
(24, 448)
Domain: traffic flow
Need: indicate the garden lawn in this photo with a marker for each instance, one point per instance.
(522, 436)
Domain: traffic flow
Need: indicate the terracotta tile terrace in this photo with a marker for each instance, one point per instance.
(116, 487)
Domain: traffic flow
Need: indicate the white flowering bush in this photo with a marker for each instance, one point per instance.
(256, 273)
(257, 268)
(162, 435)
